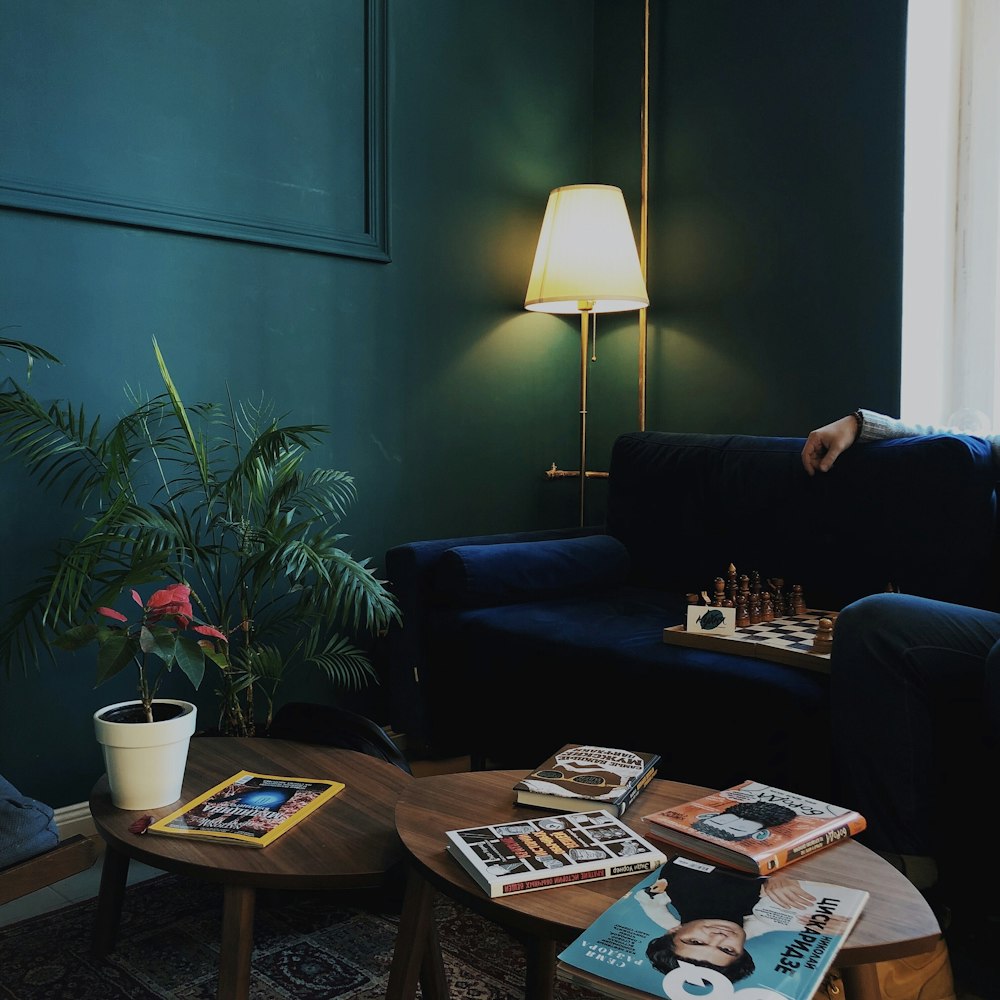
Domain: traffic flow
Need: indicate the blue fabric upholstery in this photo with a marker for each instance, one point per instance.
(494, 658)
(480, 576)
(27, 826)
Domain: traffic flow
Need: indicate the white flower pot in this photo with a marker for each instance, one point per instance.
(145, 761)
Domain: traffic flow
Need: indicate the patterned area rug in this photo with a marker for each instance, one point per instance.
(305, 948)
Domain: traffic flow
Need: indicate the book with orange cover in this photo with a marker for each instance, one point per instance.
(754, 827)
(248, 808)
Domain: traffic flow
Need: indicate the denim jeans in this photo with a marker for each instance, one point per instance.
(915, 704)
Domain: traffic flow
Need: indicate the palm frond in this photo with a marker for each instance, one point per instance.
(342, 662)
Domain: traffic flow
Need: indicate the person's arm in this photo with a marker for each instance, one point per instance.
(655, 906)
(825, 444)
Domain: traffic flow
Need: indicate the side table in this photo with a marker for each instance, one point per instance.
(897, 922)
(348, 843)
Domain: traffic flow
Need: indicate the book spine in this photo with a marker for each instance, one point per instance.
(781, 857)
(610, 870)
(633, 793)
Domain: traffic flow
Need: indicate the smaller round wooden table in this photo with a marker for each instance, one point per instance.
(350, 842)
(896, 923)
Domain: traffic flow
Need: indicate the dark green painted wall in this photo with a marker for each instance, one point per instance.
(775, 221)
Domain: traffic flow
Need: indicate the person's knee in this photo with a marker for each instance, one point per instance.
(867, 612)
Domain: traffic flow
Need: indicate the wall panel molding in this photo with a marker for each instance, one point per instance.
(251, 121)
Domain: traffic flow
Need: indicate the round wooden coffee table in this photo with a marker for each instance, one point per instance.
(350, 842)
(896, 923)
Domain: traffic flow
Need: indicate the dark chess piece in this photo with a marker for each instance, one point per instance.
(755, 585)
(767, 606)
(756, 615)
(731, 585)
(719, 598)
(742, 611)
(798, 600)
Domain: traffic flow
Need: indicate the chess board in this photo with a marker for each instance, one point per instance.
(785, 640)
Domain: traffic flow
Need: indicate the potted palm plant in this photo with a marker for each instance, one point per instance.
(219, 499)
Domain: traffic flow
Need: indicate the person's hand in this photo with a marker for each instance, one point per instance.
(788, 892)
(836, 924)
(825, 444)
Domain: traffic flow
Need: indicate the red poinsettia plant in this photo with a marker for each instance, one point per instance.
(155, 643)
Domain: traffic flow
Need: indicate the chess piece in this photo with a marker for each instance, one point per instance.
(823, 640)
(767, 606)
(719, 598)
(731, 585)
(742, 611)
(798, 600)
(756, 617)
(692, 598)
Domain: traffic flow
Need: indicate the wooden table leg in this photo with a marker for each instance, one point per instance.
(540, 975)
(114, 877)
(920, 977)
(417, 954)
(237, 942)
(861, 982)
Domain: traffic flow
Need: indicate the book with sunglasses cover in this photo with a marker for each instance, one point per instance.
(523, 855)
(582, 775)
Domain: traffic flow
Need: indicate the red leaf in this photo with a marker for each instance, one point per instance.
(111, 613)
(141, 825)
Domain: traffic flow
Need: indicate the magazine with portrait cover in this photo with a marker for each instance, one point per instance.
(249, 808)
(692, 929)
(754, 827)
(548, 851)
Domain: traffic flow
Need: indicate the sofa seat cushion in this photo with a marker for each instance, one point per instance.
(596, 669)
(480, 576)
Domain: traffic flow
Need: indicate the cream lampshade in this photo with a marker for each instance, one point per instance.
(586, 257)
(586, 261)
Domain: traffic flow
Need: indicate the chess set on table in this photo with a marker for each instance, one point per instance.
(759, 619)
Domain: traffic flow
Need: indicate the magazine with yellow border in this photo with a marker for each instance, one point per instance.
(249, 808)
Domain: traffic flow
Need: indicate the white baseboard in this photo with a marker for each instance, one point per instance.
(75, 819)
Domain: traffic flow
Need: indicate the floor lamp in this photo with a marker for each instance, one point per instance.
(586, 262)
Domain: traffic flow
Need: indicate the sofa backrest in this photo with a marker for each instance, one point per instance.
(917, 513)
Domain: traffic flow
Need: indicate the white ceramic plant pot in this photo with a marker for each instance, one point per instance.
(145, 761)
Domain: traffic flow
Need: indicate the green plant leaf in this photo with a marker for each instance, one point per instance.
(114, 655)
(76, 638)
(191, 659)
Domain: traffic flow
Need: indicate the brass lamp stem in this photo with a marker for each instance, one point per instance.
(585, 308)
(643, 211)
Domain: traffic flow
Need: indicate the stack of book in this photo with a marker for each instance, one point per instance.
(715, 913)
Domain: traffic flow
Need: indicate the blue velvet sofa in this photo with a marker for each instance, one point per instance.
(514, 644)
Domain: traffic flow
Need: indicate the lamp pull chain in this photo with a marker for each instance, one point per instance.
(593, 337)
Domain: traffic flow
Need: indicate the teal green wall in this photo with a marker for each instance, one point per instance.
(774, 273)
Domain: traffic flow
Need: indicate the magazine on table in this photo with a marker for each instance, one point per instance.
(692, 929)
(249, 808)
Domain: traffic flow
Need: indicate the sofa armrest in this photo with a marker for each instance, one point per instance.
(412, 571)
(481, 576)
